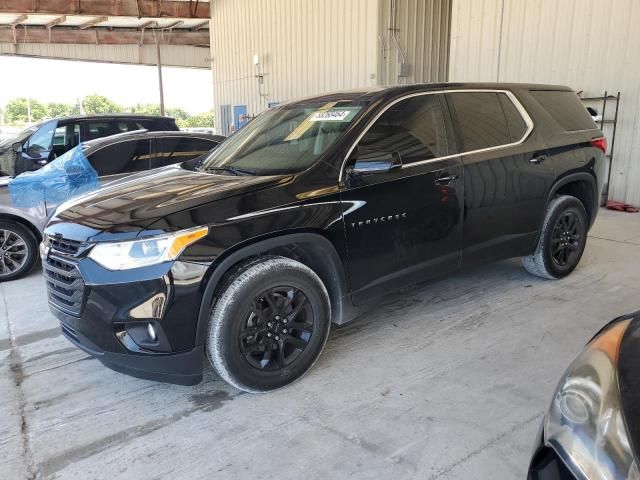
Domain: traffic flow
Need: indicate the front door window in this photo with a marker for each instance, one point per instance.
(39, 145)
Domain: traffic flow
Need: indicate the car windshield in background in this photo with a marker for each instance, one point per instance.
(20, 136)
(287, 139)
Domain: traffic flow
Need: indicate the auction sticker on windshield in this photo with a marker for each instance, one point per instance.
(334, 115)
(330, 116)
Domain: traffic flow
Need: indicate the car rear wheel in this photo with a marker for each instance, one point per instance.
(269, 324)
(562, 240)
(18, 251)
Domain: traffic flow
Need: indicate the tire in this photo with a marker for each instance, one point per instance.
(268, 325)
(562, 239)
(18, 250)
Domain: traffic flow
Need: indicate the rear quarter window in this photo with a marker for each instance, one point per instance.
(565, 108)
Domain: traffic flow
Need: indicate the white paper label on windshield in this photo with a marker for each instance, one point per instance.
(330, 116)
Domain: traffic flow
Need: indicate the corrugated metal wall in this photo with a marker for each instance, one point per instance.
(423, 31)
(307, 47)
(304, 47)
(589, 45)
(172, 55)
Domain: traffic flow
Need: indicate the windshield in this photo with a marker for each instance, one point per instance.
(287, 139)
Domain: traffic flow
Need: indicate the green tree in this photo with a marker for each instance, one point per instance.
(145, 109)
(201, 120)
(56, 109)
(182, 117)
(100, 104)
(17, 110)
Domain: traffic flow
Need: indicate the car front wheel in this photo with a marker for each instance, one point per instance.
(268, 325)
(18, 251)
(562, 239)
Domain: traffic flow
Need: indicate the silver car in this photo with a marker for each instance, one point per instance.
(28, 200)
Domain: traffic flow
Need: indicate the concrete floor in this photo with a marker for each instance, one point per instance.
(446, 380)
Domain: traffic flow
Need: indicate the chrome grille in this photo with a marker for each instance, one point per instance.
(64, 284)
(63, 245)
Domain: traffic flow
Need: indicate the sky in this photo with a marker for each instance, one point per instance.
(65, 81)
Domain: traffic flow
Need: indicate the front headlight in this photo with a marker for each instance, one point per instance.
(147, 251)
(585, 424)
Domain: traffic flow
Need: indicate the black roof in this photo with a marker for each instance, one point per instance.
(382, 92)
(139, 134)
(103, 116)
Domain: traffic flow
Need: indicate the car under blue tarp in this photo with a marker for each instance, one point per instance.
(67, 176)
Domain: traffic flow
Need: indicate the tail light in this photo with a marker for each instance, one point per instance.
(600, 143)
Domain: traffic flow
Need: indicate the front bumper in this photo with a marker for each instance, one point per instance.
(179, 368)
(107, 314)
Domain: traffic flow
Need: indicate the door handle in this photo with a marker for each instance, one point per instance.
(445, 179)
(539, 158)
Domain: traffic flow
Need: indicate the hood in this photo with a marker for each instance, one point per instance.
(122, 208)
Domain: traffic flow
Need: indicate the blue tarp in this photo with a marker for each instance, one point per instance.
(67, 176)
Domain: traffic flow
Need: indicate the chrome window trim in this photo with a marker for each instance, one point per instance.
(516, 103)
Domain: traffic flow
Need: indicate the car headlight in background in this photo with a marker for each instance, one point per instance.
(146, 251)
(585, 424)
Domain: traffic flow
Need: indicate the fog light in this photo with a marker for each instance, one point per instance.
(152, 332)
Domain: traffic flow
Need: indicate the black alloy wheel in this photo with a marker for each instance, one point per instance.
(567, 237)
(563, 238)
(268, 324)
(278, 328)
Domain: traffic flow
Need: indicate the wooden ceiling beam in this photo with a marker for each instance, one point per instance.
(93, 22)
(56, 21)
(200, 26)
(18, 20)
(101, 36)
(110, 8)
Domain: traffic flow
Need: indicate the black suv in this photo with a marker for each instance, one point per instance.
(310, 210)
(38, 144)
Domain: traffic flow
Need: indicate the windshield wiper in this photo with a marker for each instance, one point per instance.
(232, 170)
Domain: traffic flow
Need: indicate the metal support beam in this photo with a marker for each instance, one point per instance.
(200, 26)
(56, 21)
(99, 36)
(18, 20)
(110, 8)
(93, 22)
(171, 25)
(160, 78)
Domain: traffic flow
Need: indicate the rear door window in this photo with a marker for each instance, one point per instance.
(565, 108)
(65, 138)
(122, 157)
(481, 120)
(102, 129)
(155, 125)
(176, 149)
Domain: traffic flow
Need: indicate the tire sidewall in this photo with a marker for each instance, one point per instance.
(32, 249)
(233, 307)
(561, 206)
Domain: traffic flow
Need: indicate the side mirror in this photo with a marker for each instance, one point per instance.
(376, 162)
(16, 147)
